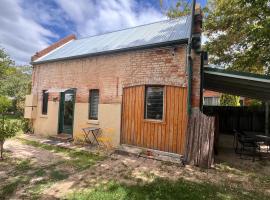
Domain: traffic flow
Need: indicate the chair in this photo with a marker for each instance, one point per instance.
(248, 145)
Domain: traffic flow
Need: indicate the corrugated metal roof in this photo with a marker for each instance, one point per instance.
(243, 84)
(145, 35)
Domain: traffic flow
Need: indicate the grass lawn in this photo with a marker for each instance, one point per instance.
(165, 189)
(83, 175)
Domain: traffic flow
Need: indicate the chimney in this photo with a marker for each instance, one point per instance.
(52, 47)
(197, 28)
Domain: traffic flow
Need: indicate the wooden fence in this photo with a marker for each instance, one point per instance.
(243, 118)
(200, 140)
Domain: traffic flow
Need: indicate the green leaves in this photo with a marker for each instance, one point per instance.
(229, 100)
(15, 81)
(5, 104)
(181, 8)
(8, 129)
(238, 34)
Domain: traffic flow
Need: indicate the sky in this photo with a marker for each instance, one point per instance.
(28, 26)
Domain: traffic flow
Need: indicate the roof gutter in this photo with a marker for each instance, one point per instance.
(163, 44)
(189, 59)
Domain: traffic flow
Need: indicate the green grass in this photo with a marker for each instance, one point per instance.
(58, 175)
(164, 189)
(22, 170)
(23, 165)
(36, 191)
(81, 160)
(10, 187)
(40, 173)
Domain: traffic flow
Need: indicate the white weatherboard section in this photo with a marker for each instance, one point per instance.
(238, 76)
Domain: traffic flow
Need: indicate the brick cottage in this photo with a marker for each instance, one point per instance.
(134, 84)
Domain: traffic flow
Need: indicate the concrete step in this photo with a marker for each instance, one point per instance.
(63, 137)
(150, 153)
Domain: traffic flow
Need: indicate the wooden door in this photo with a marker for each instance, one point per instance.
(167, 134)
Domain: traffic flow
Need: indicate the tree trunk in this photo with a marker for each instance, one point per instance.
(1, 149)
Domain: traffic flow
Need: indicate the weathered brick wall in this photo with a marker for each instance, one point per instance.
(110, 73)
(196, 81)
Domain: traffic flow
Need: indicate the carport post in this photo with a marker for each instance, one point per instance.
(266, 118)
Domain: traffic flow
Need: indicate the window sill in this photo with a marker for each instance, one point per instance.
(154, 121)
(91, 121)
(43, 116)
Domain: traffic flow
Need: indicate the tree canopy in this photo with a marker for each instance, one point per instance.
(229, 100)
(181, 8)
(238, 34)
(14, 81)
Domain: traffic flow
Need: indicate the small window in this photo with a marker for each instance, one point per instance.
(45, 97)
(211, 101)
(93, 104)
(154, 102)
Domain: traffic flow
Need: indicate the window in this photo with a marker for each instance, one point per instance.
(154, 102)
(93, 104)
(211, 101)
(45, 96)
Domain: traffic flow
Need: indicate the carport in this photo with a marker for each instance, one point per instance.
(239, 83)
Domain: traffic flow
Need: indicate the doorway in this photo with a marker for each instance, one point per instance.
(66, 111)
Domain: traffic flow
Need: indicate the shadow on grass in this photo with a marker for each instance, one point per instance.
(163, 189)
(81, 160)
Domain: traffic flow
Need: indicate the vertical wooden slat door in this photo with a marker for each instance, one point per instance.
(166, 135)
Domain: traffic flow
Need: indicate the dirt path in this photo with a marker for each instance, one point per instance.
(39, 156)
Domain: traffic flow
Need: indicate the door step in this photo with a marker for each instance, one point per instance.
(150, 153)
(63, 137)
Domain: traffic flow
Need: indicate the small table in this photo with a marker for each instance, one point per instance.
(94, 131)
(265, 139)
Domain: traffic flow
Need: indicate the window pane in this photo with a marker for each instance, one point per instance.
(211, 101)
(154, 102)
(45, 97)
(93, 101)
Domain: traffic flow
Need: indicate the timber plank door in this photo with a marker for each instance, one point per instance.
(167, 131)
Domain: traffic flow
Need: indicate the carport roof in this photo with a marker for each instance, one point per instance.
(249, 85)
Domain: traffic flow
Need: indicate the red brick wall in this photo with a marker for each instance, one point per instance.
(196, 81)
(110, 73)
(209, 93)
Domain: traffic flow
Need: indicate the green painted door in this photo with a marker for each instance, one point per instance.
(66, 112)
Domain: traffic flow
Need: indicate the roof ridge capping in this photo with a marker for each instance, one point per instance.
(53, 47)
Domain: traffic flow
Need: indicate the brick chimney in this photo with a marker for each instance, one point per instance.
(197, 28)
(52, 47)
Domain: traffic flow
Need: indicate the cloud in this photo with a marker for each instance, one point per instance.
(95, 17)
(28, 26)
(19, 35)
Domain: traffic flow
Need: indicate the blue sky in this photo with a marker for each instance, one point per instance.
(28, 26)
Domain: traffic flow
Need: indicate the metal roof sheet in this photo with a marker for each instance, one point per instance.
(249, 85)
(144, 35)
